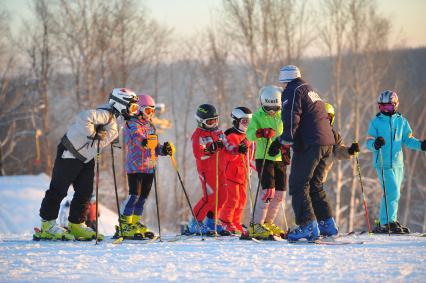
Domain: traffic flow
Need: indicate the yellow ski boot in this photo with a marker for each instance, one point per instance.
(260, 232)
(275, 229)
(83, 233)
(52, 231)
(142, 229)
(128, 229)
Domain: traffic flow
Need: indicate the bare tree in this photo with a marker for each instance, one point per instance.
(267, 34)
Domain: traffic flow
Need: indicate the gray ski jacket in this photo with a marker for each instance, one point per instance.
(78, 139)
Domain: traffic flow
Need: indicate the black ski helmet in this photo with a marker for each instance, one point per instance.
(207, 112)
(239, 113)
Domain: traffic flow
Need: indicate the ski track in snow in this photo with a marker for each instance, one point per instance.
(381, 258)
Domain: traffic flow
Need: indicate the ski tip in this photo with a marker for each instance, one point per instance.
(118, 240)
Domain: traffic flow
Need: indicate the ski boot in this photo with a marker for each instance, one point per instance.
(230, 227)
(83, 233)
(400, 227)
(51, 231)
(276, 230)
(128, 230)
(142, 229)
(309, 231)
(258, 231)
(219, 228)
(328, 227)
(198, 229)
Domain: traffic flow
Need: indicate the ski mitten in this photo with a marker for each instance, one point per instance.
(379, 142)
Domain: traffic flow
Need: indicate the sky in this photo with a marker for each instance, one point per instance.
(188, 17)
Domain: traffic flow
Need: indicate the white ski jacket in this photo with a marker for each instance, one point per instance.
(79, 137)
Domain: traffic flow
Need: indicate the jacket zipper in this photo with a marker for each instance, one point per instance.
(390, 124)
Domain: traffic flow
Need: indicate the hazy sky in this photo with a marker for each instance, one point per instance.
(189, 16)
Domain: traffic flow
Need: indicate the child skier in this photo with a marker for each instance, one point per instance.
(209, 145)
(328, 226)
(265, 125)
(387, 133)
(142, 152)
(74, 164)
(236, 170)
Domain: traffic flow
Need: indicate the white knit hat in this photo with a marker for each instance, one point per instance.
(289, 73)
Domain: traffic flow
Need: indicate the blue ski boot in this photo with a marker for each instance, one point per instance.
(328, 227)
(199, 229)
(308, 231)
(219, 228)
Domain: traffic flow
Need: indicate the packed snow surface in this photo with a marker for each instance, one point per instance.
(226, 259)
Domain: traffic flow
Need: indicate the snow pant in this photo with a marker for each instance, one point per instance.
(307, 176)
(208, 201)
(393, 180)
(66, 172)
(139, 187)
(274, 176)
(233, 207)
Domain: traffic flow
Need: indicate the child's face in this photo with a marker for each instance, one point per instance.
(271, 110)
(213, 122)
(386, 107)
(148, 112)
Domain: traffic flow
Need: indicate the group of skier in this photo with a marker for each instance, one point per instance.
(292, 117)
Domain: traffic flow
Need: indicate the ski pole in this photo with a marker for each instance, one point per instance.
(364, 201)
(384, 188)
(156, 202)
(284, 217)
(172, 158)
(260, 180)
(248, 174)
(217, 194)
(120, 237)
(97, 189)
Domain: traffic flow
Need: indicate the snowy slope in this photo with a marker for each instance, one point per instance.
(380, 259)
(20, 202)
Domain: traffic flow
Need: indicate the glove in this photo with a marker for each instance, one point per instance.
(100, 135)
(275, 147)
(268, 195)
(144, 142)
(379, 142)
(423, 145)
(242, 148)
(167, 148)
(354, 148)
(266, 133)
(214, 146)
(286, 154)
(219, 144)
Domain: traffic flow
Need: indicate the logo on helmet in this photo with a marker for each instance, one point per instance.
(203, 110)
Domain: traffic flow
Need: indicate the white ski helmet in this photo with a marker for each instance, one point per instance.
(289, 73)
(239, 113)
(388, 96)
(270, 98)
(124, 101)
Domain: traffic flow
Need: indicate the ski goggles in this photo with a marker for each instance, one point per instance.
(386, 107)
(148, 110)
(133, 108)
(244, 121)
(211, 122)
(272, 108)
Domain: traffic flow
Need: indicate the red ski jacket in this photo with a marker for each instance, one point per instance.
(235, 164)
(201, 139)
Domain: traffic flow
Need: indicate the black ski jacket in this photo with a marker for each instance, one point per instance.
(304, 116)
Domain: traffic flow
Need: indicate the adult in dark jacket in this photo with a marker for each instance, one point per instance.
(307, 129)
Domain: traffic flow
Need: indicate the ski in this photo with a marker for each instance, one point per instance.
(134, 241)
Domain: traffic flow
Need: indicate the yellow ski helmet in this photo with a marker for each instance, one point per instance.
(330, 111)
